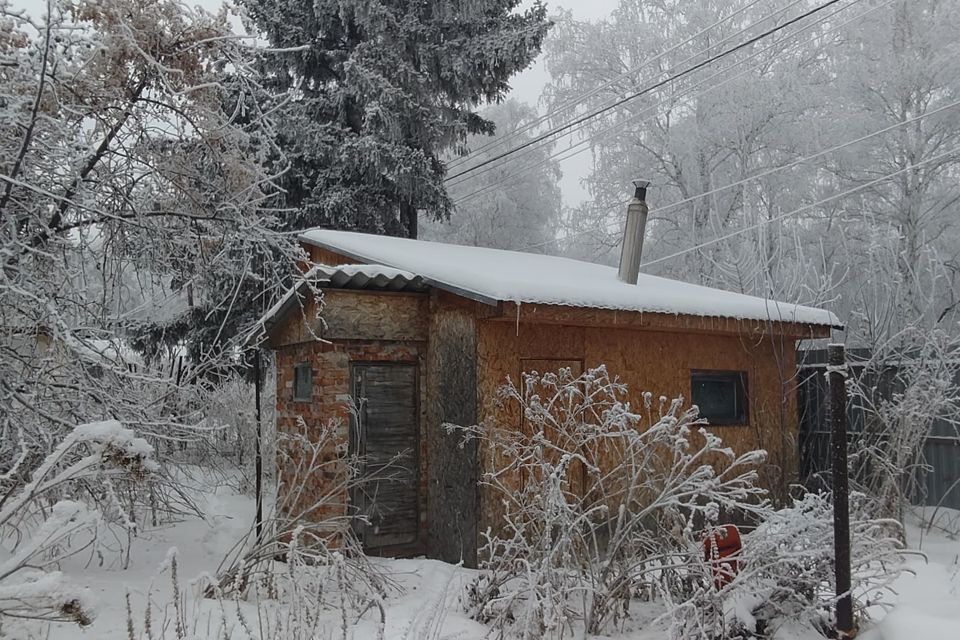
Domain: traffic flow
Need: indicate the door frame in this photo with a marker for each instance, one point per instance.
(353, 441)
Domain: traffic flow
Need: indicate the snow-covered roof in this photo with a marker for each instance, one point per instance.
(495, 275)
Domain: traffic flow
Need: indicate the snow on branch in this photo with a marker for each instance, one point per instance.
(35, 536)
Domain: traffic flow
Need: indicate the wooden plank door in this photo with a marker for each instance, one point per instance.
(387, 439)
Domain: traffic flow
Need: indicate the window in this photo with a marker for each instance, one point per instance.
(303, 382)
(720, 395)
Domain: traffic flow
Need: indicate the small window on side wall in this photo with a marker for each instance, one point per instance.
(303, 382)
(721, 396)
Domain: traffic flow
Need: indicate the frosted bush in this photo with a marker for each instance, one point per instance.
(40, 524)
(305, 553)
(603, 505)
(600, 502)
(786, 569)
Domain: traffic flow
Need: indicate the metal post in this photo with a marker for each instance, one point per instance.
(258, 457)
(837, 375)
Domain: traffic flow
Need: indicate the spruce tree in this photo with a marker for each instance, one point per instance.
(377, 90)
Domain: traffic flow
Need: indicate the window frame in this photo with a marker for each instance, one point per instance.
(741, 384)
(297, 368)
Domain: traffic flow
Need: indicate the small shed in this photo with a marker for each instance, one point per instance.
(425, 333)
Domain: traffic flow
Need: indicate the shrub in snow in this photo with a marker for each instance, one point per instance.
(306, 550)
(600, 502)
(40, 525)
(908, 386)
(603, 505)
(28, 589)
(785, 572)
(230, 414)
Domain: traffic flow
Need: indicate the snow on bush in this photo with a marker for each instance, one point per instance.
(27, 589)
(306, 553)
(907, 392)
(604, 505)
(42, 522)
(785, 572)
(600, 501)
(91, 452)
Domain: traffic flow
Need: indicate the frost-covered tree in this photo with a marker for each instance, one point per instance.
(378, 92)
(738, 147)
(132, 188)
(123, 166)
(504, 208)
(899, 67)
(709, 129)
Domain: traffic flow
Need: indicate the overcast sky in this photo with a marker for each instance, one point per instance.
(527, 86)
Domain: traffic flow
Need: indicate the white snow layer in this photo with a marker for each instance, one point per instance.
(513, 276)
(113, 433)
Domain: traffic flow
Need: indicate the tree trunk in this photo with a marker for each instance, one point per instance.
(408, 219)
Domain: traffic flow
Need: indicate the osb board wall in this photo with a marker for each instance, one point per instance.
(356, 315)
(669, 322)
(319, 255)
(452, 398)
(330, 401)
(659, 362)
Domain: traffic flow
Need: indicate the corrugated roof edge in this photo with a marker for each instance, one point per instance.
(341, 276)
(475, 295)
(446, 286)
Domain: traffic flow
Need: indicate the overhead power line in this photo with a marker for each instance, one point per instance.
(576, 100)
(650, 112)
(819, 154)
(466, 174)
(763, 174)
(653, 87)
(952, 152)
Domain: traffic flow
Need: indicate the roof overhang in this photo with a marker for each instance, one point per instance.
(357, 254)
(444, 286)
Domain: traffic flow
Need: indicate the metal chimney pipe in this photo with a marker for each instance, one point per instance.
(634, 229)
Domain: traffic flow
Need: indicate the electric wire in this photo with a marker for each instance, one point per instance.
(653, 87)
(836, 196)
(465, 177)
(819, 154)
(577, 100)
(652, 111)
(764, 173)
(771, 171)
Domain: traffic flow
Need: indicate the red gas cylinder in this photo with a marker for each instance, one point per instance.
(721, 548)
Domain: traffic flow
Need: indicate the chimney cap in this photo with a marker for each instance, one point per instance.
(640, 188)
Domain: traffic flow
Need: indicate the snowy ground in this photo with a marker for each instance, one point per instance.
(928, 604)
(425, 604)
